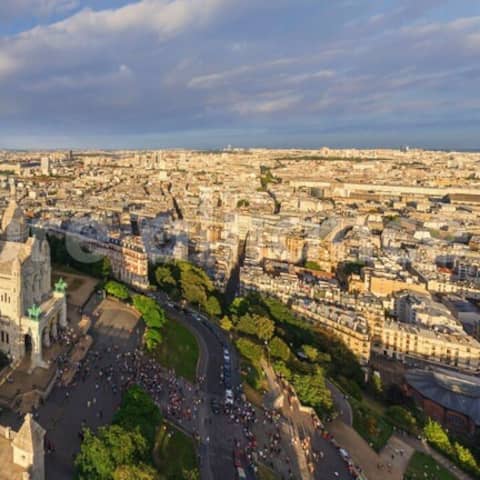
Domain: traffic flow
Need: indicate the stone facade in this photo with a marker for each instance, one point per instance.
(30, 312)
(22, 453)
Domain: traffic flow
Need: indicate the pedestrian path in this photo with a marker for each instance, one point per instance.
(363, 454)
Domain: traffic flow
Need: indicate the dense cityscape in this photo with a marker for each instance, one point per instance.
(290, 325)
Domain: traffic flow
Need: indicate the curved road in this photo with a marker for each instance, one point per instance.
(217, 434)
(216, 454)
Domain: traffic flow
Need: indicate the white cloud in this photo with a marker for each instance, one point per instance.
(87, 35)
(39, 8)
(173, 62)
(266, 106)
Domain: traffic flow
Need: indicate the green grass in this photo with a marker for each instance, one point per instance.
(424, 467)
(253, 376)
(373, 404)
(174, 452)
(178, 350)
(374, 428)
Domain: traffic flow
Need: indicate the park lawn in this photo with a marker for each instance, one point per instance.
(424, 467)
(173, 453)
(373, 404)
(178, 350)
(253, 375)
(374, 428)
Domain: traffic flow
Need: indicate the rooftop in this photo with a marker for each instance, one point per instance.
(452, 390)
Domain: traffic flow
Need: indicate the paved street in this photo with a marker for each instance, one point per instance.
(66, 408)
(330, 465)
(216, 453)
(341, 404)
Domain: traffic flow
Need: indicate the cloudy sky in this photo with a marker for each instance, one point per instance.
(207, 73)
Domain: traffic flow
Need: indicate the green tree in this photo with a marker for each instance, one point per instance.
(265, 328)
(281, 369)
(117, 290)
(192, 292)
(213, 307)
(437, 436)
(310, 352)
(152, 314)
(94, 461)
(113, 446)
(351, 387)
(138, 410)
(247, 325)
(279, 349)
(152, 338)
(126, 447)
(402, 418)
(249, 349)
(239, 307)
(106, 269)
(465, 458)
(312, 391)
(190, 474)
(226, 324)
(165, 279)
(141, 471)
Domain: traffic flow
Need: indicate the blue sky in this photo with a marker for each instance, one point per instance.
(207, 73)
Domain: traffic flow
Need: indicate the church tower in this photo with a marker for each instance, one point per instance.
(14, 225)
(28, 448)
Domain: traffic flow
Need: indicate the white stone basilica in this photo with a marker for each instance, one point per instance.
(30, 312)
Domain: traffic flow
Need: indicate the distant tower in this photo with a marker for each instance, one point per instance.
(45, 165)
(14, 224)
(28, 448)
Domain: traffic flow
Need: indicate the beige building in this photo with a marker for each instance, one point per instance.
(30, 312)
(348, 326)
(22, 455)
(382, 284)
(455, 349)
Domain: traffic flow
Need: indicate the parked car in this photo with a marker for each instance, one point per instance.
(228, 397)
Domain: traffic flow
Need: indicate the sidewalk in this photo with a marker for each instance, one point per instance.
(275, 399)
(362, 454)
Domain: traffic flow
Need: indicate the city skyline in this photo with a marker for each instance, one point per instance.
(185, 73)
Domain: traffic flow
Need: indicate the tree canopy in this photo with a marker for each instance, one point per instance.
(249, 349)
(312, 391)
(183, 279)
(141, 471)
(122, 451)
(112, 447)
(279, 349)
(153, 316)
(117, 290)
